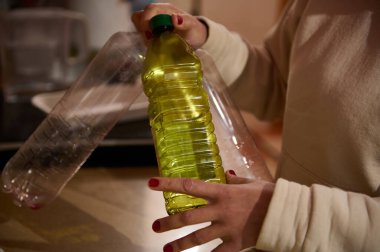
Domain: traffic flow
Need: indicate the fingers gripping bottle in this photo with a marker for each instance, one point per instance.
(179, 113)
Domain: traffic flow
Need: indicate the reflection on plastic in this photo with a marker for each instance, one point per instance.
(237, 147)
(43, 165)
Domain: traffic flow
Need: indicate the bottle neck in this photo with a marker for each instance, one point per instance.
(161, 29)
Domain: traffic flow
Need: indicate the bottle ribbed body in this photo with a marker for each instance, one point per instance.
(180, 118)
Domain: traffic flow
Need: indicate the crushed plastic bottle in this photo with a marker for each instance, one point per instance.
(55, 151)
(237, 145)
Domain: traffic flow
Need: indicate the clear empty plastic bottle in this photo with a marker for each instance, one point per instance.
(237, 146)
(77, 124)
(179, 113)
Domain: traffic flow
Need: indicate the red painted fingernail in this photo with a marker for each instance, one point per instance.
(232, 172)
(148, 35)
(153, 182)
(180, 20)
(156, 226)
(168, 248)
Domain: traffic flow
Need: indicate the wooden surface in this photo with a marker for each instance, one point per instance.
(101, 209)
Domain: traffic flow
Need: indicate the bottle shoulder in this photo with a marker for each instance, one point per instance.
(169, 49)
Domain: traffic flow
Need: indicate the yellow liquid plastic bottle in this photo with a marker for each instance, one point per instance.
(179, 114)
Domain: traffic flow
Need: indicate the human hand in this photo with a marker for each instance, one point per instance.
(186, 25)
(236, 211)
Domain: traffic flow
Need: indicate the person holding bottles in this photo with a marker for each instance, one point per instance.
(318, 70)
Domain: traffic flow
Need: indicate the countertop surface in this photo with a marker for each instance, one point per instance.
(100, 209)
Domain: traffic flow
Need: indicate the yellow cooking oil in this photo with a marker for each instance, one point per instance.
(179, 114)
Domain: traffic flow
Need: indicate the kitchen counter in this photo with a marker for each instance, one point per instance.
(100, 209)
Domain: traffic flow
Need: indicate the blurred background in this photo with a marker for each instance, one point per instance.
(100, 19)
(91, 23)
(251, 18)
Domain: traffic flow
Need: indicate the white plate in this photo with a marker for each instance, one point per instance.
(46, 102)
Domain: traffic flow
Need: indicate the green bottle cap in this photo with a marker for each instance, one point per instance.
(161, 23)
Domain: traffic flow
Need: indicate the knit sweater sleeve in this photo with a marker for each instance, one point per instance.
(299, 218)
(320, 218)
(227, 49)
(256, 75)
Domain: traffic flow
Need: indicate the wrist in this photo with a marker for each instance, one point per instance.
(203, 31)
(263, 205)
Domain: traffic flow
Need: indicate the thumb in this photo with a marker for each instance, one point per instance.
(233, 179)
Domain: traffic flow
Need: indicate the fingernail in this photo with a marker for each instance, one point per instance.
(156, 226)
(148, 35)
(180, 20)
(168, 248)
(153, 182)
(232, 172)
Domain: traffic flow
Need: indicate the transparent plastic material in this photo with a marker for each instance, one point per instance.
(77, 124)
(52, 155)
(180, 117)
(237, 146)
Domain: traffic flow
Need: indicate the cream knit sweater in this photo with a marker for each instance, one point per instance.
(318, 70)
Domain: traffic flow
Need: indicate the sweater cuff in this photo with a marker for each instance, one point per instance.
(228, 50)
(288, 210)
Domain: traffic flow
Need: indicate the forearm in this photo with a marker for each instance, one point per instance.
(320, 218)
